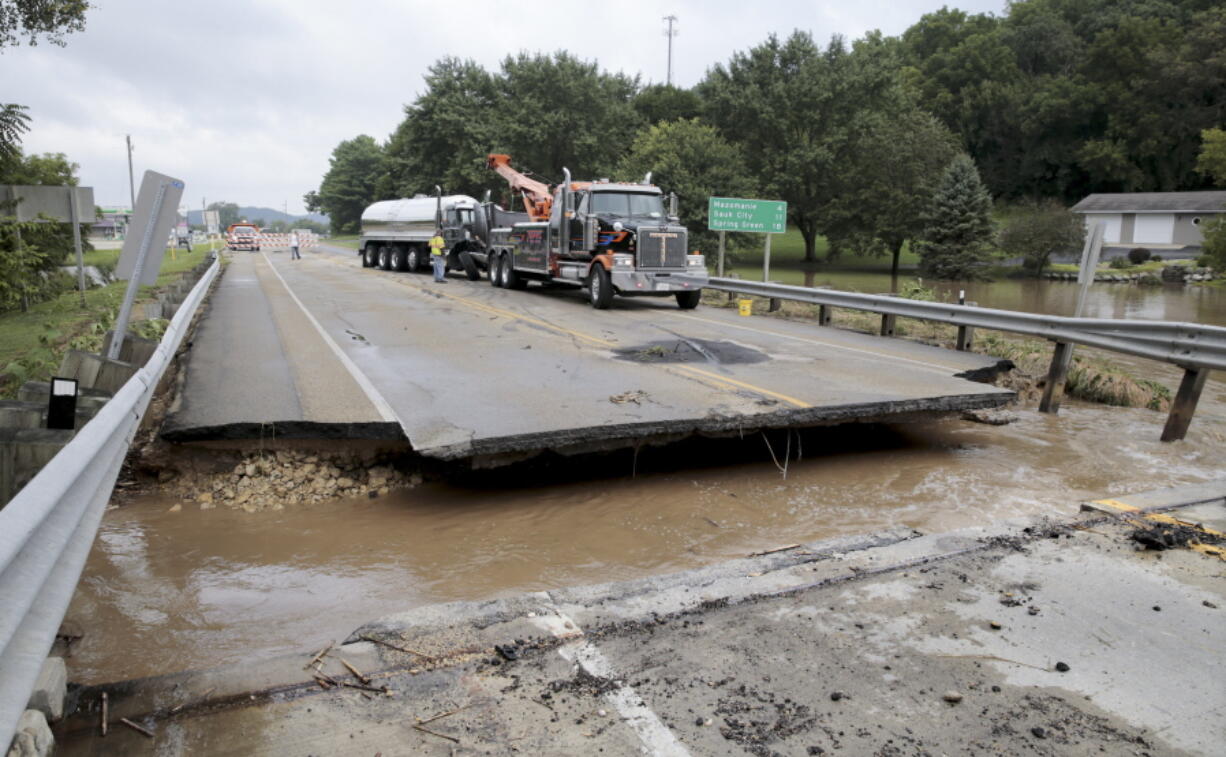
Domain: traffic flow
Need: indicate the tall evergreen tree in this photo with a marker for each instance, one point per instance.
(957, 239)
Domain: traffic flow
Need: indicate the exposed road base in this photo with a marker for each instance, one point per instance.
(1046, 638)
(374, 430)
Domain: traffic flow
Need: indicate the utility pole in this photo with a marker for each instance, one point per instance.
(671, 32)
(131, 182)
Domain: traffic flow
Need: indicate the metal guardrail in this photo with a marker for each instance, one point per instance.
(1192, 346)
(46, 531)
(1183, 344)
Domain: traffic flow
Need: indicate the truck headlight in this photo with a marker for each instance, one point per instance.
(696, 261)
(623, 261)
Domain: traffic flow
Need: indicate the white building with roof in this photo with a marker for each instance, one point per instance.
(1155, 219)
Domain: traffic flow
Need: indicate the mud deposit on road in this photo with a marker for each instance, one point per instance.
(172, 586)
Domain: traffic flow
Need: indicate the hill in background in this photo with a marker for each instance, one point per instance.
(267, 215)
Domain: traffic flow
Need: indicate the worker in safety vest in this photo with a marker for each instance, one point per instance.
(437, 258)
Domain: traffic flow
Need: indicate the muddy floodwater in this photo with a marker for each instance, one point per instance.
(170, 590)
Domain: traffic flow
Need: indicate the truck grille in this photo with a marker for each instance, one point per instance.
(661, 247)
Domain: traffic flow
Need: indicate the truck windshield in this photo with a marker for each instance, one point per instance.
(628, 204)
(244, 229)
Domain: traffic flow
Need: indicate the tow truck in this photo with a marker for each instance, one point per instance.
(610, 238)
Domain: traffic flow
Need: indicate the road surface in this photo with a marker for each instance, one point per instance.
(467, 370)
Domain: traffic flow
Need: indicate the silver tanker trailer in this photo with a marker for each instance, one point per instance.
(395, 233)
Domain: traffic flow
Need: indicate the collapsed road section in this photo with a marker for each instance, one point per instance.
(470, 372)
(1097, 633)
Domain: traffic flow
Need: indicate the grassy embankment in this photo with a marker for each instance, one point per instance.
(32, 343)
(350, 241)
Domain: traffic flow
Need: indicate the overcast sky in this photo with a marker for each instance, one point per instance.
(245, 100)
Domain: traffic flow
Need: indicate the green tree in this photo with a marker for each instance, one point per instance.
(690, 158)
(227, 213)
(1215, 242)
(32, 19)
(32, 251)
(47, 169)
(446, 135)
(1212, 158)
(664, 102)
(800, 113)
(957, 238)
(349, 185)
(883, 204)
(1036, 230)
(556, 110)
(14, 122)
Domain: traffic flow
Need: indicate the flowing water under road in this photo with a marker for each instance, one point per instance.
(166, 591)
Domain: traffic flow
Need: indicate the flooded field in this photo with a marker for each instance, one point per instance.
(172, 590)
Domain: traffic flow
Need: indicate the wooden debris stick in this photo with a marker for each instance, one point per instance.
(991, 657)
(320, 656)
(104, 709)
(773, 551)
(139, 729)
(363, 687)
(393, 646)
(442, 715)
(436, 733)
(357, 673)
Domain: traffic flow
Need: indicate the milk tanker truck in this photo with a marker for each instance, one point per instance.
(610, 238)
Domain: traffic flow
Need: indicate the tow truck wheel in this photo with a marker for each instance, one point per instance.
(689, 300)
(470, 268)
(495, 270)
(599, 288)
(397, 258)
(505, 268)
(385, 260)
(511, 279)
(414, 259)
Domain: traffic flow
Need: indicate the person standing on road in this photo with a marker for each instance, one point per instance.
(437, 258)
(293, 246)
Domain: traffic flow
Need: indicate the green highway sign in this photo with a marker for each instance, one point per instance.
(760, 216)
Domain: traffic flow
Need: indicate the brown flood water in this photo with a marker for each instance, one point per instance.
(167, 591)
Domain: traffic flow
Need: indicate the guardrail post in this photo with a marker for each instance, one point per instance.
(887, 324)
(1184, 404)
(966, 334)
(775, 305)
(824, 315)
(1057, 374)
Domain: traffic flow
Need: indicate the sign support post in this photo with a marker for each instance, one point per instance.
(719, 271)
(766, 260)
(75, 213)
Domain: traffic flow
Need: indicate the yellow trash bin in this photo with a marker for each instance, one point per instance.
(746, 307)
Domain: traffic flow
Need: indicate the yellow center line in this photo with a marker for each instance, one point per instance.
(724, 382)
(743, 385)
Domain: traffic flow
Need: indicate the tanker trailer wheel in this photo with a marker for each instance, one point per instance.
(385, 260)
(365, 262)
(599, 288)
(370, 257)
(470, 268)
(689, 300)
(398, 259)
(414, 262)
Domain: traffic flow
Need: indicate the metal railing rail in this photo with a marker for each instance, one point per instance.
(46, 531)
(1184, 344)
(1195, 347)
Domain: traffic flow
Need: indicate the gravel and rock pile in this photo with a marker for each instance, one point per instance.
(274, 480)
